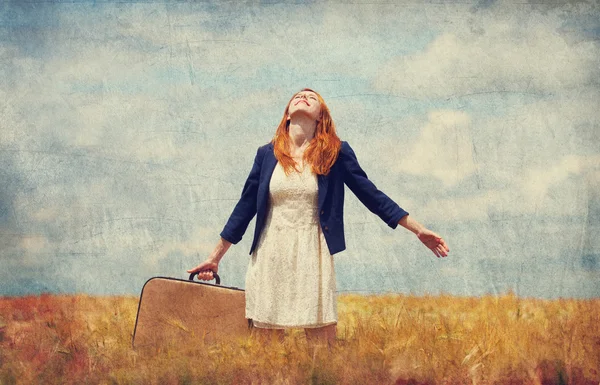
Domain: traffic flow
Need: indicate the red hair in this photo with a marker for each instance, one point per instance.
(323, 149)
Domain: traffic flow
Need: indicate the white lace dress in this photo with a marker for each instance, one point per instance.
(290, 281)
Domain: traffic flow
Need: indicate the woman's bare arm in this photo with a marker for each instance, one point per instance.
(206, 268)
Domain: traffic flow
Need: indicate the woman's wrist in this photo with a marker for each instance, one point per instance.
(410, 224)
(219, 250)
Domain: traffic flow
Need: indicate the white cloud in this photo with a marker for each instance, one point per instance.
(201, 242)
(534, 159)
(537, 180)
(443, 149)
(461, 208)
(527, 195)
(46, 213)
(512, 55)
(535, 135)
(33, 243)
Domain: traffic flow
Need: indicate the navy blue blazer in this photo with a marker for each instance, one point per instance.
(346, 170)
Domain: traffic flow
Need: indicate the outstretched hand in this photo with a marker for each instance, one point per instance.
(434, 242)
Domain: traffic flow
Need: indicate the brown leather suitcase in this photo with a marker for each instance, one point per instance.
(173, 311)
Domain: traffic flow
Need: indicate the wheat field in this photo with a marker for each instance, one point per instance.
(390, 339)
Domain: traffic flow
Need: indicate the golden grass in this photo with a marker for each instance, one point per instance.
(391, 339)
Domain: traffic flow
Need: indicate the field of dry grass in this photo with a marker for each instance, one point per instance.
(391, 339)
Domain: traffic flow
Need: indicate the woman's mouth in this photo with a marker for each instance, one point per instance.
(302, 101)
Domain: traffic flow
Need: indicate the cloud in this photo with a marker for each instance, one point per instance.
(536, 181)
(46, 213)
(443, 149)
(530, 137)
(554, 191)
(473, 208)
(33, 244)
(503, 54)
(112, 108)
(534, 159)
(196, 243)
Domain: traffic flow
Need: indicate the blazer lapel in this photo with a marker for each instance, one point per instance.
(323, 183)
(269, 163)
(267, 168)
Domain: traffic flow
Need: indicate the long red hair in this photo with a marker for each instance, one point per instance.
(323, 149)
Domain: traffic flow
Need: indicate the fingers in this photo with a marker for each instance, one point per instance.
(438, 246)
(444, 245)
(204, 270)
(206, 275)
(441, 250)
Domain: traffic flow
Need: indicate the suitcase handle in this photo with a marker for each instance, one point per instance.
(215, 275)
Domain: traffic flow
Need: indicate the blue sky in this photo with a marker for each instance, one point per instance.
(128, 129)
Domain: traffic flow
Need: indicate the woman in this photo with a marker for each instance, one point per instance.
(296, 190)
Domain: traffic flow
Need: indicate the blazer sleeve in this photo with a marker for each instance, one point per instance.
(245, 209)
(374, 199)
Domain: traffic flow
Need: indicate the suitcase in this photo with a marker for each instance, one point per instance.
(175, 311)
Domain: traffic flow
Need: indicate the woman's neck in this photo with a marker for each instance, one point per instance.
(301, 130)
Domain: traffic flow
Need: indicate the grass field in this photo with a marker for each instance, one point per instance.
(390, 339)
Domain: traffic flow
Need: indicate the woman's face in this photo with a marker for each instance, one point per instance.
(306, 103)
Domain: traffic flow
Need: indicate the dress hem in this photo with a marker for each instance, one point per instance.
(265, 325)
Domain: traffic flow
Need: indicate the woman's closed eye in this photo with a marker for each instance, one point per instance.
(309, 97)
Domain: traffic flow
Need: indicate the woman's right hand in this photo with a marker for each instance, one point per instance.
(205, 269)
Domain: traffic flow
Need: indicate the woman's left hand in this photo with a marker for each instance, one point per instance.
(434, 242)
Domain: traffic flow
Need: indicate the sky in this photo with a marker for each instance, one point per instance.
(128, 128)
